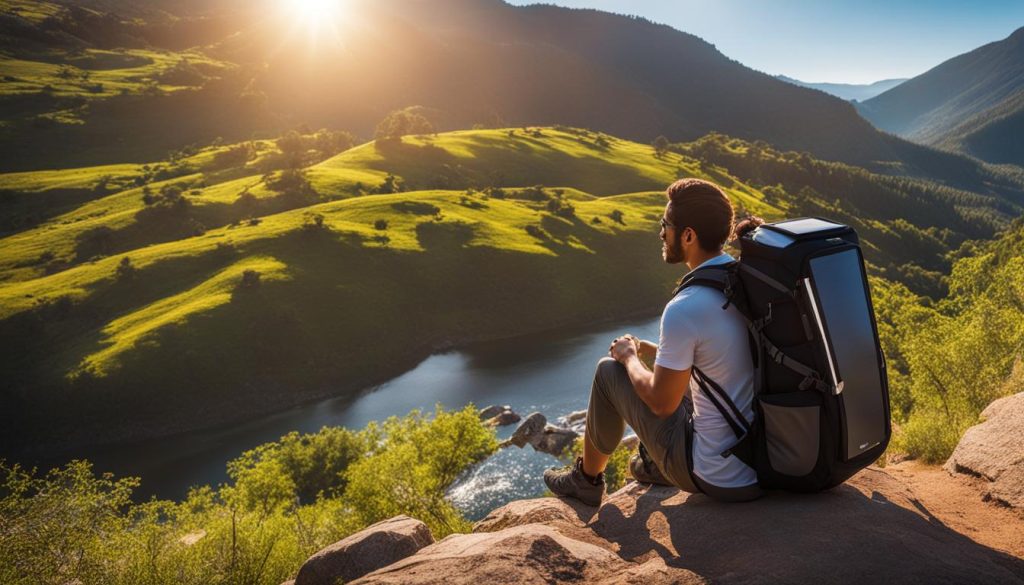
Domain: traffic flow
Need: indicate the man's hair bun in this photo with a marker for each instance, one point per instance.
(747, 225)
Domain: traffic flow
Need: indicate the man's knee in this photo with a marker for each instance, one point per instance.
(607, 367)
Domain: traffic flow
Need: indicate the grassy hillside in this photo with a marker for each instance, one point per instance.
(235, 279)
(201, 289)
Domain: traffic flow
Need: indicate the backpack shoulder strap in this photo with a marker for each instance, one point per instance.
(719, 277)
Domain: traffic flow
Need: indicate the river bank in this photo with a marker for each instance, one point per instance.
(552, 377)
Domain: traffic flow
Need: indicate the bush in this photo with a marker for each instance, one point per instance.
(391, 184)
(561, 208)
(250, 279)
(380, 224)
(284, 501)
(125, 270)
(403, 122)
(313, 222)
(414, 465)
(536, 231)
(617, 216)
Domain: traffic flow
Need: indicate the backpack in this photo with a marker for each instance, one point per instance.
(821, 396)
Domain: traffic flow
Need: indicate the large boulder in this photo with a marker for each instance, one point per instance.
(369, 549)
(503, 418)
(553, 440)
(493, 411)
(994, 451)
(872, 529)
(533, 553)
(532, 426)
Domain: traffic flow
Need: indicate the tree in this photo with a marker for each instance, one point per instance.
(125, 270)
(661, 145)
(403, 122)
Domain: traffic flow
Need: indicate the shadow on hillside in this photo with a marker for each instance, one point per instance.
(509, 162)
(782, 537)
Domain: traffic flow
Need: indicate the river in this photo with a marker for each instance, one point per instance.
(547, 373)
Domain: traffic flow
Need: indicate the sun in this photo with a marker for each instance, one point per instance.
(316, 13)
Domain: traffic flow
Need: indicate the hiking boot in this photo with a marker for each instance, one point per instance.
(570, 482)
(644, 469)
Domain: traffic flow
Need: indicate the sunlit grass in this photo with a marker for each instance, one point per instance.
(123, 333)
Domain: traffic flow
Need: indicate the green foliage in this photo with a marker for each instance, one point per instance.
(948, 361)
(403, 122)
(409, 472)
(285, 501)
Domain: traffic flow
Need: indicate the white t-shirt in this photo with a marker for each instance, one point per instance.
(696, 331)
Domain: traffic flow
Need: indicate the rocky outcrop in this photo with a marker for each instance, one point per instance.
(994, 451)
(871, 530)
(376, 546)
(535, 431)
(499, 416)
(527, 430)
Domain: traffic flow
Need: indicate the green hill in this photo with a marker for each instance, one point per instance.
(121, 306)
(233, 280)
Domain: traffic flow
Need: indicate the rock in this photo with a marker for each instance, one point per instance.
(369, 549)
(630, 442)
(533, 425)
(553, 440)
(520, 512)
(493, 411)
(576, 421)
(873, 529)
(994, 451)
(533, 553)
(505, 417)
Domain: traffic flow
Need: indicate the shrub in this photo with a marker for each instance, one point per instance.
(125, 270)
(380, 224)
(313, 222)
(561, 208)
(536, 231)
(661, 146)
(391, 184)
(414, 465)
(617, 216)
(403, 122)
(250, 279)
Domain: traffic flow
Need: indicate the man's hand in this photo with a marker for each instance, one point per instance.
(623, 348)
(647, 350)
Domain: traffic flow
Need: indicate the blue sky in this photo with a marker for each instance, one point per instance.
(836, 41)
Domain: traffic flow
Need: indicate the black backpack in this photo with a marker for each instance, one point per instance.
(821, 395)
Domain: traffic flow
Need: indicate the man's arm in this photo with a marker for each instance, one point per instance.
(661, 390)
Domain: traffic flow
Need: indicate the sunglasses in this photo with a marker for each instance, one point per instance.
(665, 225)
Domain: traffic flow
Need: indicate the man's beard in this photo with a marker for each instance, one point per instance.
(672, 250)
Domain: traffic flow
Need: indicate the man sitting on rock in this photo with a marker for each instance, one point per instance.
(695, 331)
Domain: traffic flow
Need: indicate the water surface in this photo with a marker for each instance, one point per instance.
(546, 373)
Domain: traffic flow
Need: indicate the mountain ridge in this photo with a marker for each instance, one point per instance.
(961, 104)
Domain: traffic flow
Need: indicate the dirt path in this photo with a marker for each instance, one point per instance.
(956, 501)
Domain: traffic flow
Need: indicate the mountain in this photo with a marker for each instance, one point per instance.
(848, 91)
(239, 70)
(973, 103)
